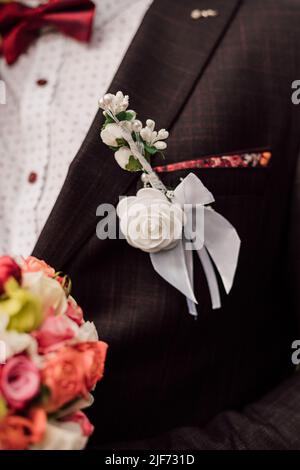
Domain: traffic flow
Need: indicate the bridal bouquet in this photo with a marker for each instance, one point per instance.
(50, 359)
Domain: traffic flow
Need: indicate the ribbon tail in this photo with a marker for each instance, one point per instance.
(223, 244)
(171, 266)
(211, 278)
(192, 307)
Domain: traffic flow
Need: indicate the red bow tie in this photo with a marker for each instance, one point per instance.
(20, 25)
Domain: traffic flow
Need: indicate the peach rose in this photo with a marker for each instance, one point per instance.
(64, 376)
(33, 265)
(18, 432)
(93, 355)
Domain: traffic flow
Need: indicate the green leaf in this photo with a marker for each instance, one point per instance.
(133, 164)
(125, 116)
(121, 142)
(108, 120)
(150, 150)
(122, 116)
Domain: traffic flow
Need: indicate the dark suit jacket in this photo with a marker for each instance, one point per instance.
(225, 381)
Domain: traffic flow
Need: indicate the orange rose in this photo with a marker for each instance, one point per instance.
(18, 432)
(93, 355)
(64, 376)
(33, 265)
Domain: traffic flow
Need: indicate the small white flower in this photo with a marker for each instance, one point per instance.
(114, 103)
(160, 145)
(151, 124)
(122, 156)
(110, 134)
(152, 137)
(146, 134)
(137, 125)
(149, 221)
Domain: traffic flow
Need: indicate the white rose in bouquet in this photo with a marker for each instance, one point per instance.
(48, 290)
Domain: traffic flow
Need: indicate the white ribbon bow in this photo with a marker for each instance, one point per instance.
(219, 242)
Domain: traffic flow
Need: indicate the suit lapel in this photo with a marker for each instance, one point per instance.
(163, 63)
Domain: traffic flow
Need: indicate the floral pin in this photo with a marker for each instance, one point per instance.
(160, 221)
(119, 121)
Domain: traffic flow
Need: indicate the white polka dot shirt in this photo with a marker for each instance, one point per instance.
(52, 94)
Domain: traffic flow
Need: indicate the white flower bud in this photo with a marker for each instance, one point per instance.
(146, 134)
(137, 126)
(110, 133)
(114, 103)
(122, 156)
(150, 123)
(107, 99)
(160, 145)
(163, 134)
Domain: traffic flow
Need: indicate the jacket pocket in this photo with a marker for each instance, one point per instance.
(234, 174)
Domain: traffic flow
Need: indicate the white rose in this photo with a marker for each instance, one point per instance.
(149, 221)
(86, 332)
(122, 156)
(47, 289)
(13, 342)
(110, 134)
(16, 343)
(61, 436)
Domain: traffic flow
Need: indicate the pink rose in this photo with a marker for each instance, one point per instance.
(33, 265)
(54, 332)
(19, 381)
(8, 268)
(80, 418)
(74, 312)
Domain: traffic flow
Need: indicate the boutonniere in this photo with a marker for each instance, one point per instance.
(169, 224)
